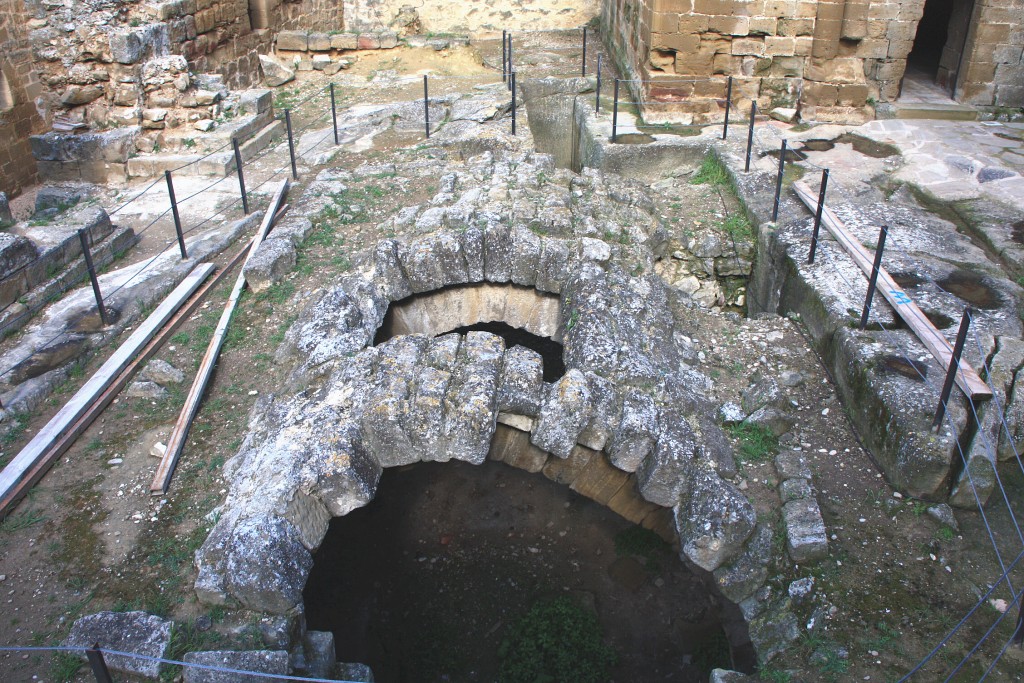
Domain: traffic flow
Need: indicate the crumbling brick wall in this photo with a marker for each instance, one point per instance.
(19, 86)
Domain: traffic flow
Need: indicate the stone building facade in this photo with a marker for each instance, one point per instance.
(19, 87)
(834, 60)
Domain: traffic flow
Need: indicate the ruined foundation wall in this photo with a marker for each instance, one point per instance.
(457, 16)
(19, 86)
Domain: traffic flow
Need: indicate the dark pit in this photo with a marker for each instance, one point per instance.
(907, 280)
(1017, 232)
(791, 154)
(901, 365)
(633, 139)
(427, 582)
(972, 288)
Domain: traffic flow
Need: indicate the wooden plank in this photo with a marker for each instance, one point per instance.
(176, 442)
(35, 458)
(967, 379)
(62, 444)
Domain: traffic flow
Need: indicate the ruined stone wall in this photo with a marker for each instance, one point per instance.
(994, 68)
(833, 58)
(19, 86)
(458, 16)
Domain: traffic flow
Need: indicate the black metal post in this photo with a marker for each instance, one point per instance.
(334, 116)
(817, 215)
(597, 99)
(778, 182)
(241, 177)
(510, 60)
(954, 366)
(504, 56)
(873, 280)
(426, 105)
(291, 142)
(615, 110)
(584, 74)
(98, 665)
(177, 218)
(83, 237)
(750, 135)
(513, 77)
(728, 107)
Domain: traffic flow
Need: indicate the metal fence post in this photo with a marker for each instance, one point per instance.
(584, 74)
(750, 135)
(177, 218)
(954, 365)
(873, 280)
(98, 665)
(513, 77)
(597, 99)
(615, 110)
(426, 105)
(83, 237)
(504, 56)
(291, 142)
(817, 215)
(728, 107)
(334, 116)
(510, 60)
(778, 182)
(241, 177)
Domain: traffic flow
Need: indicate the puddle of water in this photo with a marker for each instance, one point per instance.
(870, 148)
(940, 320)
(906, 280)
(791, 154)
(910, 369)
(819, 145)
(633, 139)
(972, 288)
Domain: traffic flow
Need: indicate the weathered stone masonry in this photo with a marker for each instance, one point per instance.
(19, 86)
(834, 60)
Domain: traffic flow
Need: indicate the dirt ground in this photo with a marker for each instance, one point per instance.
(91, 537)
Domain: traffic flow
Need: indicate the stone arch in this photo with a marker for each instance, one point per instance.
(352, 409)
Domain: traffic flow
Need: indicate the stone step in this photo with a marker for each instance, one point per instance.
(219, 164)
(922, 110)
(20, 313)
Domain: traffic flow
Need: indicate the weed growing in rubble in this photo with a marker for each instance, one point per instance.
(757, 443)
(711, 172)
(557, 640)
(64, 667)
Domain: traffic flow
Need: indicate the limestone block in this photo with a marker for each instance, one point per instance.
(524, 256)
(605, 414)
(513, 447)
(779, 45)
(713, 518)
(344, 41)
(521, 384)
(792, 465)
(273, 260)
(665, 22)
(260, 661)
(564, 414)
(162, 372)
(806, 538)
(470, 410)
(795, 489)
(368, 41)
(319, 42)
(730, 25)
(664, 474)
(292, 40)
(321, 62)
(598, 480)
(135, 632)
(318, 650)
(748, 571)
(6, 221)
(629, 504)
(565, 471)
(76, 95)
(763, 26)
(678, 42)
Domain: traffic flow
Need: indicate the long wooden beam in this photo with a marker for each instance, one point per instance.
(39, 454)
(176, 442)
(967, 379)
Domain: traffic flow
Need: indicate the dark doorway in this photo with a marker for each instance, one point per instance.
(932, 34)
